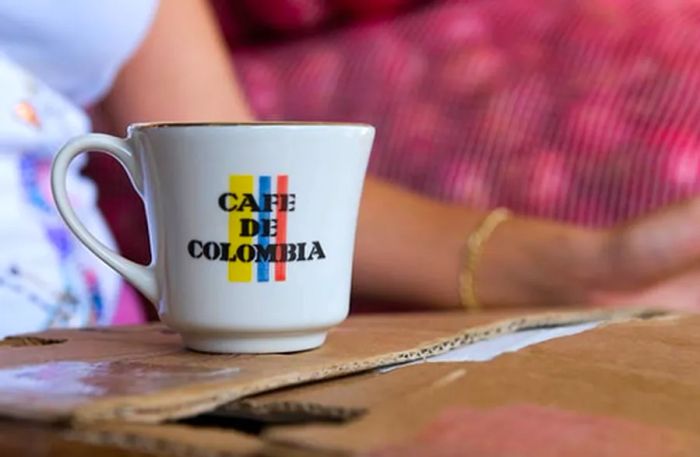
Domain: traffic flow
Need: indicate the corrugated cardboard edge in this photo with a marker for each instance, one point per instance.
(288, 411)
(22, 341)
(283, 410)
(183, 402)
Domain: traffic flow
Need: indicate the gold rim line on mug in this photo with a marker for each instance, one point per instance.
(166, 124)
(473, 249)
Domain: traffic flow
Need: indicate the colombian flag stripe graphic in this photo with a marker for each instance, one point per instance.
(264, 184)
(252, 237)
(268, 199)
(282, 188)
(239, 271)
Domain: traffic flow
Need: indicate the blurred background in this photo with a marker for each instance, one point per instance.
(583, 111)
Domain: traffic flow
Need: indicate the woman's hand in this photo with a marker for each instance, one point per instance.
(409, 249)
(654, 260)
(651, 261)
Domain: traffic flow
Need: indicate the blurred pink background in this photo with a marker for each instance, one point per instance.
(584, 111)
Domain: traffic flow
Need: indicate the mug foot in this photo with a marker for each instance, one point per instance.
(254, 344)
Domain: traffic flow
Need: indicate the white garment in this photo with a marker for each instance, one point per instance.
(75, 47)
(54, 58)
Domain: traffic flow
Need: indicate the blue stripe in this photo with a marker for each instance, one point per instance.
(264, 185)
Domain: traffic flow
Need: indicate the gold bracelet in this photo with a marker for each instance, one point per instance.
(473, 249)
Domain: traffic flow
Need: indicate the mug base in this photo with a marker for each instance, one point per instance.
(254, 344)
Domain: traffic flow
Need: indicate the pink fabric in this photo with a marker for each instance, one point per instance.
(129, 310)
(586, 112)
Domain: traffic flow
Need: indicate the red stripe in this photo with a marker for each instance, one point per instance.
(281, 267)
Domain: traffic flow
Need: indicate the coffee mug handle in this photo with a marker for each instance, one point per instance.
(141, 276)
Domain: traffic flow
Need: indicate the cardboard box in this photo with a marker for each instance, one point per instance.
(123, 387)
(626, 389)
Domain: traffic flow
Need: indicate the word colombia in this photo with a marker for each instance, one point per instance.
(270, 225)
(285, 252)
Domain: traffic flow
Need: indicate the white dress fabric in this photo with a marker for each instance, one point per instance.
(55, 58)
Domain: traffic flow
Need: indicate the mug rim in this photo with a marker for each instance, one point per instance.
(159, 125)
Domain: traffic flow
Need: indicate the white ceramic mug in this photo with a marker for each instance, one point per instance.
(252, 227)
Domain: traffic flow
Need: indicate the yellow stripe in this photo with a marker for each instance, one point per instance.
(239, 271)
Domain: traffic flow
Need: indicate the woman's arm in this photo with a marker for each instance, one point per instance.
(409, 247)
(181, 72)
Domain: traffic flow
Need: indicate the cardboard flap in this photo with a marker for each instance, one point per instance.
(168, 439)
(338, 401)
(142, 374)
(629, 389)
